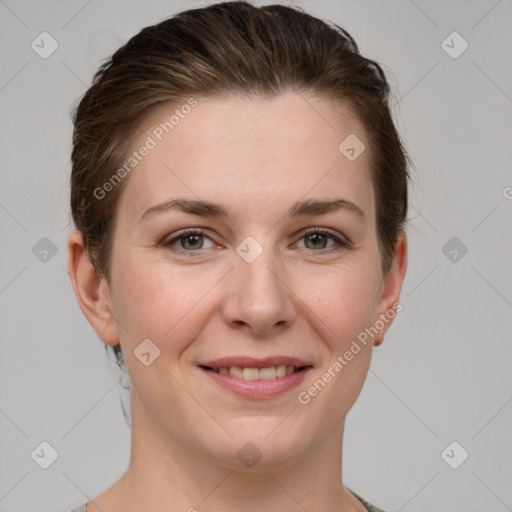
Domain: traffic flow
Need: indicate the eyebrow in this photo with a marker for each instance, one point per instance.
(214, 210)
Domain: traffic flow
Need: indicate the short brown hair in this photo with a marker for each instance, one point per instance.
(229, 48)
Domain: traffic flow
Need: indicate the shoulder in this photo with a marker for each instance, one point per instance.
(81, 508)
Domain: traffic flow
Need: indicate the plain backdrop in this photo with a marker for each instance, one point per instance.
(442, 375)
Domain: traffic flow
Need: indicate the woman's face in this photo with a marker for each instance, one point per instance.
(252, 283)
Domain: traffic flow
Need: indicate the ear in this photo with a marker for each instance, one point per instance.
(91, 290)
(391, 286)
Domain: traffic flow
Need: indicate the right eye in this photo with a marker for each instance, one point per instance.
(191, 240)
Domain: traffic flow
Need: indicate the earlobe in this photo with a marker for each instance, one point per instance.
(392, 286)
(91, 290)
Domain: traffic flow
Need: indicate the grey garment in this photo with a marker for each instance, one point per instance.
(81, 508)
(369, 506)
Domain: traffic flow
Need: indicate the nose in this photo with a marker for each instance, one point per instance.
(258, 298)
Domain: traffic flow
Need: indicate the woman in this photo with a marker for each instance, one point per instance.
(239, 192)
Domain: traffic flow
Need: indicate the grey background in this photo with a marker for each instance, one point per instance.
(443, 372)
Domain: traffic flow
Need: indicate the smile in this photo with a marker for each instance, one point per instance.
(257, 383)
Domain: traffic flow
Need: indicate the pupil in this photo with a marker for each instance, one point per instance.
(316, 238)
(190, 240)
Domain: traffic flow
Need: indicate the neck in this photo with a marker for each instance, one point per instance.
(167, 475)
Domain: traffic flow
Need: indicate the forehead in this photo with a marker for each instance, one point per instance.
(252, 154)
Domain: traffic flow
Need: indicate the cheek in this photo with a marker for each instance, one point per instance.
(343, 305)
(164, 303)
(343, 300)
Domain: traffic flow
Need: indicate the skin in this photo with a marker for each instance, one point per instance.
(257, 158)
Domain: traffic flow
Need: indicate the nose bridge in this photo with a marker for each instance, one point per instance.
(262, 270)
(258, 270)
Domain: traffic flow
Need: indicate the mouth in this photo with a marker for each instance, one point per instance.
(257, 379)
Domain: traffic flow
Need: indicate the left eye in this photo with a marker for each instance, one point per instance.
(319, 238)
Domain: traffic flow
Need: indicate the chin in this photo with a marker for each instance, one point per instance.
(260, 443)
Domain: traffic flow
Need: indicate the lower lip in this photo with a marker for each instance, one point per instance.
(257, 389)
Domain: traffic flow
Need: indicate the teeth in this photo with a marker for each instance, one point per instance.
(269, 373)
(250, 373)
(236, 371)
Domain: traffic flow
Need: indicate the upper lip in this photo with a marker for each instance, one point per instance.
(250, 362)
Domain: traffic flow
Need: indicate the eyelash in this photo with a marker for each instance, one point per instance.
(342, 243)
